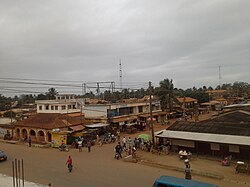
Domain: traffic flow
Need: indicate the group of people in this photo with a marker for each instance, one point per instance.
(119, 149)
(80, 143)
(129, 146)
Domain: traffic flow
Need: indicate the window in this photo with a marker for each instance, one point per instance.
(52, 107)
(69, 106)
(63, 107)
(40, 107)
(140, 109)
(74, 106)
(56, 107)
(47, 107)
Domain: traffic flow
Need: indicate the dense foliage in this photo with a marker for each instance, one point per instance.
(166, 92)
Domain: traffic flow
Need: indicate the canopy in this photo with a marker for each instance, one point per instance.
(131, 124)
(145, 137)
(97, 125)
(77, 128)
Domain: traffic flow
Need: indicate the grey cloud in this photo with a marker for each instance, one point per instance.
(84, 40)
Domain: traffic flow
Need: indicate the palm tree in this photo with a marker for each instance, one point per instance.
(166, 94)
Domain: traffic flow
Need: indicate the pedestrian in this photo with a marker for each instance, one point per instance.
(29, 141)
(124, 142)
(69, 163)
(97, 138)
(188, 173)
(130, 141)
(100, 142)
(80, 146)
(118, 135)
(187, 170)
(89, 145)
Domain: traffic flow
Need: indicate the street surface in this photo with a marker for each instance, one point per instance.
(97, 168)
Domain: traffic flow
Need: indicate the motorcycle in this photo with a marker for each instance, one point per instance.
(63, 148)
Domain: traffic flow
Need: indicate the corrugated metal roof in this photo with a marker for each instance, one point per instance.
(204, 137)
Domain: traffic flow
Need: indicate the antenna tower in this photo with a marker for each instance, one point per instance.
(120, 73)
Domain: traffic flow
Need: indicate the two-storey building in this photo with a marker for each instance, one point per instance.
(62, 113)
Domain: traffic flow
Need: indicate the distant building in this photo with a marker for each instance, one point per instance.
(129, 111)
(216, 94)
(66, 103)
(187, 102)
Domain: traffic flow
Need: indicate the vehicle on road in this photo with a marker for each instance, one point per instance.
(169, 181)
(3, 156)
(242, 167)
(63, 148)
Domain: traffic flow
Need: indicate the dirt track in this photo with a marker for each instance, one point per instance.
(98, 168)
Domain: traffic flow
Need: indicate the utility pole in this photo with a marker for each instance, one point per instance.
(219, 77)
(151, 114)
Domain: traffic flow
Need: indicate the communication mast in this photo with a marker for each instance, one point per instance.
(120, 73)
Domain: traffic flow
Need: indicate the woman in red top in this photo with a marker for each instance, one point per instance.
(69, 162)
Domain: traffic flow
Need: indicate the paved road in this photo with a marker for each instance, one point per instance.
(97, 168)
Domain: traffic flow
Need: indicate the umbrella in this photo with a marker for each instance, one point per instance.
(145, 137)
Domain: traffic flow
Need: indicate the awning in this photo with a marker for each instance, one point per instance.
(123, 119)
(131, 124)
(97, 125)
(205, 137)
(77, 128)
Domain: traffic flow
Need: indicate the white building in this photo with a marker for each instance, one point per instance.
(63, 104)
(118, 109)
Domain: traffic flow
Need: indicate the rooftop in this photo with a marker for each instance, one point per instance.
(50, 121)
(230, 123)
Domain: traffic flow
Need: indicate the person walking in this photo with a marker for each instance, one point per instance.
(29, 141)
(124, 142)
(187, 170)
(89, 145)
(80, 146)
(118, 135)
(69, 163)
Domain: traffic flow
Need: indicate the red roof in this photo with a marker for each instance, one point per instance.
(50, 121)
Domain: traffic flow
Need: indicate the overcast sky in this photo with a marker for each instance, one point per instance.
(83, 40)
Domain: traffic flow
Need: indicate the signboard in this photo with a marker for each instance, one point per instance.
(234, 149)
(215, 146)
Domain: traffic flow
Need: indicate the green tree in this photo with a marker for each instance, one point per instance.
(51, 94)
(166, 94)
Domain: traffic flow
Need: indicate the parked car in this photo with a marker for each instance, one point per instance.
(3, 156)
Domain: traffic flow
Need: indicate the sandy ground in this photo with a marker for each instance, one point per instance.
(7, 181)
(99, 168)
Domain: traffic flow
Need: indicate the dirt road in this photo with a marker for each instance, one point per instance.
(97, 168)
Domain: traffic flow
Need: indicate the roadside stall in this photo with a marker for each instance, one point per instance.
(57, 137)
(76, 133)
(102, 128)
